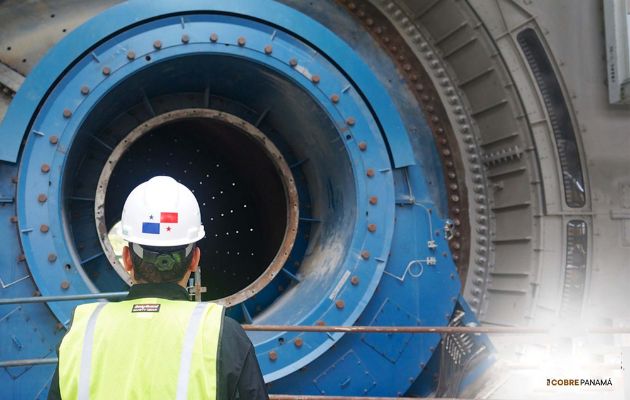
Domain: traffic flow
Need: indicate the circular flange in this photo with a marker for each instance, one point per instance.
(243, 127)
(372, 114)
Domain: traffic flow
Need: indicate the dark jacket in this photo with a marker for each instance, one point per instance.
(239, 375)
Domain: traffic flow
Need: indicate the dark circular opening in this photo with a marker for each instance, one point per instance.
(238, 187)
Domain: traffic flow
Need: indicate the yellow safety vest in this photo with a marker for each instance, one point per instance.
(147, 348)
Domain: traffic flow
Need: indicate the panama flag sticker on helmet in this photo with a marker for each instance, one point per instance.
(154, 227)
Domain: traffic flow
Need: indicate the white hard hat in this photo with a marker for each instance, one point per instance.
(161, 212)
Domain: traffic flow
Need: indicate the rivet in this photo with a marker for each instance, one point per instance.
(45, 168)
(293, 62)
(334, 98)
(455, 198)
(370, 172)
(372, 228)
(43, 228)
(131, 55)
(351, 121)
(354, 280)
(365, 255)
(85, 90)
(157, 44)
(214, 37)
(315, 79)
(185, 38)
(59, 326)
(407, 67)
(67, 113)
(42, 198)
(52, 257)
(268, 49)
(320, 323)
(373, 200)
(456, 245)
(298, 342)
(369, 22)
(21, 257)
(53, 139)
(106, 71)
(241, 41)
(13, 219)
(65, 285)
(352, 6)
(453, 186)
(451, 175)
(340, 304)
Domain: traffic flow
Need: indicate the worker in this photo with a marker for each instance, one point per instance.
(155, 344)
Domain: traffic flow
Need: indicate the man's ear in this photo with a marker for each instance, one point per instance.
(194, 262)
(126, 257)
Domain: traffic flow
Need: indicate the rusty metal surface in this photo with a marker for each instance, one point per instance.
(309, 397)
(274, 155)
(425, 92)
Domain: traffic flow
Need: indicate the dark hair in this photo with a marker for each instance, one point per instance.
(160, 264)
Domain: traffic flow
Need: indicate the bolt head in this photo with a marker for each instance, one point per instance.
(373, 200)
(131, 55)
(42, 198)
(365, 255)
(52, 257)
(293, 62)
(362, 146)
(340, 304)
(44, 228)
(372, 228)
(85, 90)
(354, 280)
(45, 168)
(241, 41)
(268, 49)
(351, 121)
(214, 37)
(53, 139)
(157, 44)
(65, 285)
(315, 79)
(67, 113)
(370, 172)
(185, 38)
(13, 219)
(106, 71)
(298, 342)
(334, 98)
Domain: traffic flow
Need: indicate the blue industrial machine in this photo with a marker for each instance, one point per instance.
(322, 189)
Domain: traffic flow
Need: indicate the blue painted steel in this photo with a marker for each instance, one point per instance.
(117, 18)
(87, 72)
(408, 276)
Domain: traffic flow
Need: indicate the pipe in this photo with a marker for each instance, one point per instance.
(310, 397)
(45, 299)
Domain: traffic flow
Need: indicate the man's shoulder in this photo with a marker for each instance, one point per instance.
(234, 334)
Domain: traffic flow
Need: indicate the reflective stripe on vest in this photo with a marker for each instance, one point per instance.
(140, 349)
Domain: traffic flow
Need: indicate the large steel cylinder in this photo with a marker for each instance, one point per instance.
(321, 187)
